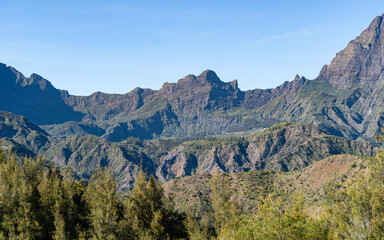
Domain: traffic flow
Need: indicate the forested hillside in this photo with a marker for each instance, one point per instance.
(39, 201)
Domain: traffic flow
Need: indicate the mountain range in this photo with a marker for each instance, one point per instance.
(201, 124)
(343, 100)
(283, 147)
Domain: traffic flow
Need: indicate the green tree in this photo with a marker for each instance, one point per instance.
(198, 229)
(357, 209)
(150, 214)
(104, 205)
(223, 206)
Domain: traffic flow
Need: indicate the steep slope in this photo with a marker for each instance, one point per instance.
(189, 95)
(24, 137)
(194, 106)
(84, 154)
(153, 120)
(361, 62)
(33, 97)
(193, 192)
(283, 147)
(345, 99)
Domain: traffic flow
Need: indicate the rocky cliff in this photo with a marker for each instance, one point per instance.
(284, 147)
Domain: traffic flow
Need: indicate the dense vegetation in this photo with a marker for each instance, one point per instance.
(38, 201)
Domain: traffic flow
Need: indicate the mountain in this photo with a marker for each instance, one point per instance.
(283, 147)
(33, 97)
(344, 100)
(212, 107)
(361, 62)
(21, 135)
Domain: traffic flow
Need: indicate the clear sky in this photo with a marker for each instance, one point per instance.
(114, 46)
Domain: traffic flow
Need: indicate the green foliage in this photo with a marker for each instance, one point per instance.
(36, 202)
(104, 205)
(273, 222)
(198, 229)
(150, 214)
(223, 206)
(357, 209)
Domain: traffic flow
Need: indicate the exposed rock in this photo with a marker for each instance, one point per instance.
(345, 100)
(19, 129)
(361, 62)
(284, 147)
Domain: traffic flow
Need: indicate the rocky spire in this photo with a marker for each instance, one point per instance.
(361, 62)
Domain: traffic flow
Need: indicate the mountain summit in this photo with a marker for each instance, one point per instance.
(33, 97)
(361, 62)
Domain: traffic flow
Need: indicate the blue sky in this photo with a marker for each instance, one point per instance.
(114, 46)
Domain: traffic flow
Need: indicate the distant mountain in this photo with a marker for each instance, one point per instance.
(33, 97)
(344, 100)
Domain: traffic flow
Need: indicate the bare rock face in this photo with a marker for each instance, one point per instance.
(361, 62)
(283, 147)
(18, 130)
(175, 164)
(205, 91)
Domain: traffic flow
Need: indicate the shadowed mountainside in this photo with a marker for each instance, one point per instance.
(344, 100)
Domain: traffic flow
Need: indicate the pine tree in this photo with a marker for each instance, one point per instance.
(102, 199)
(223, 206)
(150, 214)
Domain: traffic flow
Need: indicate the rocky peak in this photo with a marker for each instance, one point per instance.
(234, 84)
(38, 80)
(11, 76)
(187, 80)
(210, 76)
(361, 62)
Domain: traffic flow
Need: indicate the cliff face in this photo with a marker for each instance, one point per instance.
(283, 147)
(361, 62)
